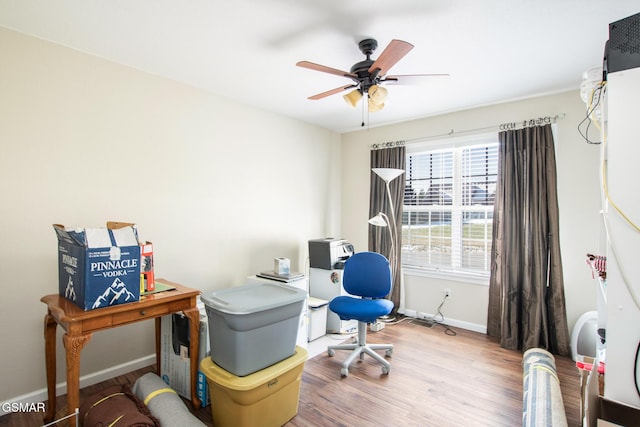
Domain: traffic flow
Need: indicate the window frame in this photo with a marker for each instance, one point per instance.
(452, 144)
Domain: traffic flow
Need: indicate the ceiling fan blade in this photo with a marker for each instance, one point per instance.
(410, 79)
(331, 92)
(391, 54)
(325, 69)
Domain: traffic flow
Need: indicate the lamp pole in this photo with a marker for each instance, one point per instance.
(382, 220)
(388, 175)
(393, 230)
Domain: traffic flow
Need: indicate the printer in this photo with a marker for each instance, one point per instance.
(329, 253)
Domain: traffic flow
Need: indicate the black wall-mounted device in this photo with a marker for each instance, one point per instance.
(622, 50)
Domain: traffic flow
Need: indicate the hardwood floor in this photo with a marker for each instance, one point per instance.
(436, 379)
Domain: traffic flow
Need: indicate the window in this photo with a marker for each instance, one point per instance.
(448, 206)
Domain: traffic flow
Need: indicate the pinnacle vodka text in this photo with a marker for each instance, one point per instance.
(114, 268)
(70, 260)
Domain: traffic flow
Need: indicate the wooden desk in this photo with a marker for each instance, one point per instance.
(80, 325)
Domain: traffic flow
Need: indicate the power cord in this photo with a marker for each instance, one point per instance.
(594, 101)
(433, 320)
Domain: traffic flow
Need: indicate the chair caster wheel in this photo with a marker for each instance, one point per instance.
(388, 353)
(344, 372)
(330, 352)
(361, 356)
(385, 370)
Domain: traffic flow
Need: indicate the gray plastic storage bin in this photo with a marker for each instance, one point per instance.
(253, 326)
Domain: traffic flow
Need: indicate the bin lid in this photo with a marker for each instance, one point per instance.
(317, 302)
(253, 298)
(229, 381)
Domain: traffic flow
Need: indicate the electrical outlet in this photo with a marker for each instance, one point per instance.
(447, 292)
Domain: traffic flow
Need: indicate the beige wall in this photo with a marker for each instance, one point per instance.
(579, 201)
(220, 188)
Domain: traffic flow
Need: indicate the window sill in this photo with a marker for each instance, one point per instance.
(444, 275)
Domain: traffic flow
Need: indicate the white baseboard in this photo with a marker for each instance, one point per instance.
(447, 321)
(85, 380)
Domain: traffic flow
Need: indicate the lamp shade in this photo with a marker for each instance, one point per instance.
(353, 97)
(379, 220)
(373, 106)
(377, 94)
(388, 174)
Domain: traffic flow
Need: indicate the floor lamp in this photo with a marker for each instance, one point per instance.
(382, 220)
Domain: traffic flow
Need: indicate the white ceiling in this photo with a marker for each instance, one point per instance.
(246, 50)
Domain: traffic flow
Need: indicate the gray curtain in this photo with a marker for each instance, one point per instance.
(379, 240)
(526, 291)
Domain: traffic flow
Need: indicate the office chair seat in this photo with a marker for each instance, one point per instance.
(367, 278)
(365, 310)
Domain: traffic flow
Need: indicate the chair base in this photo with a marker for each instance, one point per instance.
(360, 348)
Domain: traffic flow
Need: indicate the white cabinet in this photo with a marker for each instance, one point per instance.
(326, 285)
(622, 154)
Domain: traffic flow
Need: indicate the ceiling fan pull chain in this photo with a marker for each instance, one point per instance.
(362, 124)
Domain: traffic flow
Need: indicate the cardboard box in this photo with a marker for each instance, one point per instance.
(147, 279)
(175, 363)
(98, 267)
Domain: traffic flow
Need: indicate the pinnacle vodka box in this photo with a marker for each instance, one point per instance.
(99, 267)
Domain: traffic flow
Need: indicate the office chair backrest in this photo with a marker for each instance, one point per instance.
(367, 274)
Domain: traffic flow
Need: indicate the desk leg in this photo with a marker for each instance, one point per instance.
(73, 345)
(50, 365)
(194, 338)
(158, 334)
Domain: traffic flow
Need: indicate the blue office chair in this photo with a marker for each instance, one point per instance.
(367, 277)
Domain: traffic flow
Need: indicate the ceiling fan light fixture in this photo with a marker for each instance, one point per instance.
(378, 94)
(375, 106)
(353, 97)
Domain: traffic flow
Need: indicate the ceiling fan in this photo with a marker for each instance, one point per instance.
(369, 75)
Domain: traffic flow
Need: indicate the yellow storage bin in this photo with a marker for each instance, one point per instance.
(268, 397)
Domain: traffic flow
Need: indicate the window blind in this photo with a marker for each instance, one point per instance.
(448, 208)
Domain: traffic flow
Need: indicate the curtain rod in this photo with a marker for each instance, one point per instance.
(538, 121)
